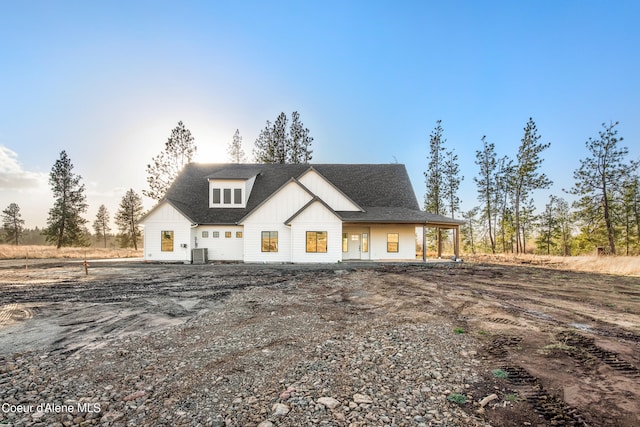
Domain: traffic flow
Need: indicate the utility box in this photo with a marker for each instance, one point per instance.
(199, 256)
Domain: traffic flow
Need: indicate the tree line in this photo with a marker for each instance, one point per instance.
(605, 213)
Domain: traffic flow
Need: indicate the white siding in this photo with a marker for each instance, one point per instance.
(271, 217)
(220, 248)
(319, 186)
(406, 244)
(166, 218)
(316, 217)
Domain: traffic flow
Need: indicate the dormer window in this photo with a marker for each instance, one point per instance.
(227, 194)
(230, 192)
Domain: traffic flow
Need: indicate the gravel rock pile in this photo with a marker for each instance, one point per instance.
(286, 355)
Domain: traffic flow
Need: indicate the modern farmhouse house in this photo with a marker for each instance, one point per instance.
(285, 213)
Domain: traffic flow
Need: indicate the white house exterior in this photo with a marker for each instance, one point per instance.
(274, 213)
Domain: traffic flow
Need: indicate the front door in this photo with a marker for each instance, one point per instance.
(355, 244)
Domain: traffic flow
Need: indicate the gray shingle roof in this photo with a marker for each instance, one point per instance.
(384, 191)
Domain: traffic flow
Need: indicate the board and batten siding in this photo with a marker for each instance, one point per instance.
(406, 244)
(166, 218)
(220, 248)
(316, 217)
(319, 186)
(271, 217)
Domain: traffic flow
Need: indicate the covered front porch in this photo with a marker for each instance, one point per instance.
(392, 241)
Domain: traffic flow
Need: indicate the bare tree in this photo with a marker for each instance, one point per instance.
(179, 150)
(235, 151)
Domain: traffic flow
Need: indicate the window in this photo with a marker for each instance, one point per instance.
(238, 234)
(227, 234)
(392, 242)
(227, 196)
(205, 234)
(345, 242)
(215, 196)
(215, 234)
(316, 241)
(166, 241)
(237, 196)
(365, 242)
(269, 241)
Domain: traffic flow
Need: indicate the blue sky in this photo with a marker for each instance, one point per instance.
(107, 81)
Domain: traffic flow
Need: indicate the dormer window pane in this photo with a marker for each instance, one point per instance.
(237, 196)
(215, 196)
(227, 196)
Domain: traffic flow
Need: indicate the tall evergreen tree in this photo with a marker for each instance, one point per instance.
(468, 229)
(451, 181)
(599, 181)
(179, 150)
(548, 227)
(299, 141)
(127, 216)
(279, 144)
(101, 224)
(65, 225)
(235, 151)
(486, 185)
(526, 176)
(630, 215)
(434, 198)
(12, 223)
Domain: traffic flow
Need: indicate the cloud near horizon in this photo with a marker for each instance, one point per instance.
(13, 176)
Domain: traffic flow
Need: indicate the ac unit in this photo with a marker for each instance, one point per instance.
(199, 256)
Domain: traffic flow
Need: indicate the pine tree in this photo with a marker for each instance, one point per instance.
(65, 225)
(486, 184)
(179, 150)
(299, 141)
(451, 180)
(526, 176)
(548, 227)
(101, 224)
(435, 194)
(599, 182)
(235, 151)
(279, 144)
(12, 223)
(127, 218)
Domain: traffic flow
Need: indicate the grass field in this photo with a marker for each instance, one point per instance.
(40, 252)
(622, 265)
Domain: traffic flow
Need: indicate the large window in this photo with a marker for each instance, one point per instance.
(392, 242)
(269, 241)
(166, 241)
(316, 241)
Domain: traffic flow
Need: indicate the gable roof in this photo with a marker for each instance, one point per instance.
(383, 191)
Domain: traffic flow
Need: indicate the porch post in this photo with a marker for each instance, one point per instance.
(424, 243)
(457, 241)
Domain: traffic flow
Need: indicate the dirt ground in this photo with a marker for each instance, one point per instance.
(558, 347)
